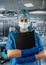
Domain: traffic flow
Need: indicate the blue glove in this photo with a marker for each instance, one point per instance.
(4, 55)
(25, 59)
(30, 51)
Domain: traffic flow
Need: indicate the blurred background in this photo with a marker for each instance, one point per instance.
(9, 12)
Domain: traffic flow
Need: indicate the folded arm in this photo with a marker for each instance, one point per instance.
(17, 53)
(25, 52)
(32, 58)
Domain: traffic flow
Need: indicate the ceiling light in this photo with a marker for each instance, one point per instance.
(38, 12)
(28, 5)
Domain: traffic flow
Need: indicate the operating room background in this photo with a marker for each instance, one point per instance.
(9, 19)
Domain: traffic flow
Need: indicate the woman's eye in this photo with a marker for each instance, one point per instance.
(21, 20)
(26, 20)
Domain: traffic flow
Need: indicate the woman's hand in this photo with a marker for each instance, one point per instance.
(41, 55)
(45, 52)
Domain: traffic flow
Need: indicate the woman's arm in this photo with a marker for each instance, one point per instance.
(14, 53)
(32, 58)
(17, 53)
(21, 53)
(42, 53)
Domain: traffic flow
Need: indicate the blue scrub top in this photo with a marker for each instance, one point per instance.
(11, 45)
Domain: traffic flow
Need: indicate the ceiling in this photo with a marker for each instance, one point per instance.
(16, 5)
(13, 6)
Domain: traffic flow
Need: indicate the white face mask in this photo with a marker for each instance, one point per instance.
(24, 25)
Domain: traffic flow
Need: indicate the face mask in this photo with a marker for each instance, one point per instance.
(24, 25)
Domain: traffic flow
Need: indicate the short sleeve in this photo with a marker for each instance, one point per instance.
(10, 42)
(40, 42)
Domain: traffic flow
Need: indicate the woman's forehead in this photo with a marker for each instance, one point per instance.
(23, 18)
